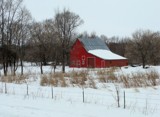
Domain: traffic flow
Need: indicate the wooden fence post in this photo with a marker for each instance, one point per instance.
(83, 94)
(124, 100)
(5, 88)
(27, 89)
(52, 91)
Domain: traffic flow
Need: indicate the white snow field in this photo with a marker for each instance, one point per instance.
(68, 101)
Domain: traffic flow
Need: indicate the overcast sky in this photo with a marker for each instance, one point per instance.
(108, 17)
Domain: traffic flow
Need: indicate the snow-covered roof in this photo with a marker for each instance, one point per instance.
(106, 54)
(93, 43)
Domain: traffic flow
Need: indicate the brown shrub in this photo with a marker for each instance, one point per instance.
(107, 75)
(44, 80)
(140, 79)
(18, 79)
(56, 79)
(152, 76)
(79, 77)
(92, 83)
(102, 79)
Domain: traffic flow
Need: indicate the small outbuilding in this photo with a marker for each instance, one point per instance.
(94, 53)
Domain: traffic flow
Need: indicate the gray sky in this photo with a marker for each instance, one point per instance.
(108, 17)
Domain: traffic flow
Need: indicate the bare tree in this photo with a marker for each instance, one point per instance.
(38, 42)
(21, 34)
(154, 53)
(143, 47)
(65, 23)
(44, 40)
(9, 12)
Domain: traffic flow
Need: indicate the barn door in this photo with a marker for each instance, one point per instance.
(91, 62)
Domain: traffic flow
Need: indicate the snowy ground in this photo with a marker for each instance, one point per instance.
(68, 102)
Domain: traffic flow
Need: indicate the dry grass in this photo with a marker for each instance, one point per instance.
(140, 79)
(112, 77)
(79, 77)
(56, 79)
(78, 81)
(92, 83)
(102, 72)
(18, 79)
(44, 80)
(153, 76)
(125, 80)
(82, 73)
(102, 79)
(107, 75)
(84, 78)
(74, 78)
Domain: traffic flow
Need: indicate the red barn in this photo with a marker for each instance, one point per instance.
(94, 53)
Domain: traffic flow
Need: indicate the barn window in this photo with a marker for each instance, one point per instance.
(83, 62)
(83, 57)
(78, 63)
(110, 61)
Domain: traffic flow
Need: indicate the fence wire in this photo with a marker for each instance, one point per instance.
(95, 96)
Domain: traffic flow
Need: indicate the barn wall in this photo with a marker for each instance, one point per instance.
(118, 63)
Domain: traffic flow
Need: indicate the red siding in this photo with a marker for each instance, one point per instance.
(78, 55)
(118, 63)
(79, 58)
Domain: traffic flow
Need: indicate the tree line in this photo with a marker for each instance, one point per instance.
(142, 48)
(23, 39)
